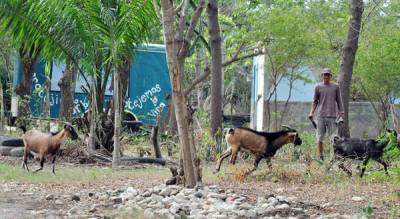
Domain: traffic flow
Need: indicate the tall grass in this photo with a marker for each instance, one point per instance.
(73, 174)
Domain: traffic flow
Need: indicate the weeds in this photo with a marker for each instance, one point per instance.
(72, 175)
(368, 211)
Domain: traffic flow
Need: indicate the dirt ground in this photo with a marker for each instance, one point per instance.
(18, 200)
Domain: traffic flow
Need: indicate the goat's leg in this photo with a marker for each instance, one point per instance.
(379, 160)
(25, 159)
(53, 164)
(41, 164)
(256, 161)
(223, 156)
(364, 166)
(235, 150)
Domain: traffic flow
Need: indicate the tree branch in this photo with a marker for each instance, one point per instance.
(189, 33)
(207, 71)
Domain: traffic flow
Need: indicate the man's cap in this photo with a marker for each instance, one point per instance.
(326, 71)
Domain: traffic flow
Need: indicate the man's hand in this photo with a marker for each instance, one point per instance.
(310, 117)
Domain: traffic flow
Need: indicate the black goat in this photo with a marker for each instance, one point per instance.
(359, 149)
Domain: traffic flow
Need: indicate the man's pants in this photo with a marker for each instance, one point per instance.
(326, 125)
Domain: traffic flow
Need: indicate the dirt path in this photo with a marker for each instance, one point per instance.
(23, 206)
(349, 196)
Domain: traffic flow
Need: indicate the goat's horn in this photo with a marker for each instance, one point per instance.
(289, 128)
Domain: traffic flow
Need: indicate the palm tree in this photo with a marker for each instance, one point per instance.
(97, 36)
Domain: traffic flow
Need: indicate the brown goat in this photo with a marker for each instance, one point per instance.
(261, 144)
(45, 144)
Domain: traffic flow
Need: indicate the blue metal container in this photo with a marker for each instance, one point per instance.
(148, 88)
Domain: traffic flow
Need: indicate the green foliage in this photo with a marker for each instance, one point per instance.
(368, 211)
(392, 150)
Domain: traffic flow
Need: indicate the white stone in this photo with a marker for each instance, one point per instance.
(165, 192)
(357, 199)
(245, 206)
(73, 210)
(282, 206)
(149, 213)
(261, 200)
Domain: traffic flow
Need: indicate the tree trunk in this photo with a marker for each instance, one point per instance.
(176, 53)
(91, 147)
(155, 141)
(1, 108)
(24, 89)
(124, 70)
(172, 126)
(197, 67)
(67, 91)
(28, 63)
(47, 103)
(117, 119)
(348, 58)
(216, 71)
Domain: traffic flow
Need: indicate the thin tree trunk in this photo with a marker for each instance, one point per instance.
(197, 69)
(67, 91)
(123, 70)
(1, 108)
(285, 107)
(47, 104)
(91, 147)
(172, 126)
(155, 141)
(117, 119)
(348, 58)
(176, 53)
(216, 72)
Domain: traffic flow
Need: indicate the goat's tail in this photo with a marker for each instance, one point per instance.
(231, 131)
(23, 128)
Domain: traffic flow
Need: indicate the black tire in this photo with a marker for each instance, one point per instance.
(12, 142)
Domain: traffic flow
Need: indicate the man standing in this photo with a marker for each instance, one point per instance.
(328, 100)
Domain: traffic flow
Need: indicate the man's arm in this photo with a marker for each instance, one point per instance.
(315, 102)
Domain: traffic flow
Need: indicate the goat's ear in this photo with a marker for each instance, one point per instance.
(292, 134)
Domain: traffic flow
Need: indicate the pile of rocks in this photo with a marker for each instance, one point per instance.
(209, 202)
(158, 202)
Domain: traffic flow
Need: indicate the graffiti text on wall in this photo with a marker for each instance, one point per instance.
(38, 88)
(139, 101)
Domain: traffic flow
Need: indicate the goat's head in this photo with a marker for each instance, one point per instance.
(293, 136)
(71, 131)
